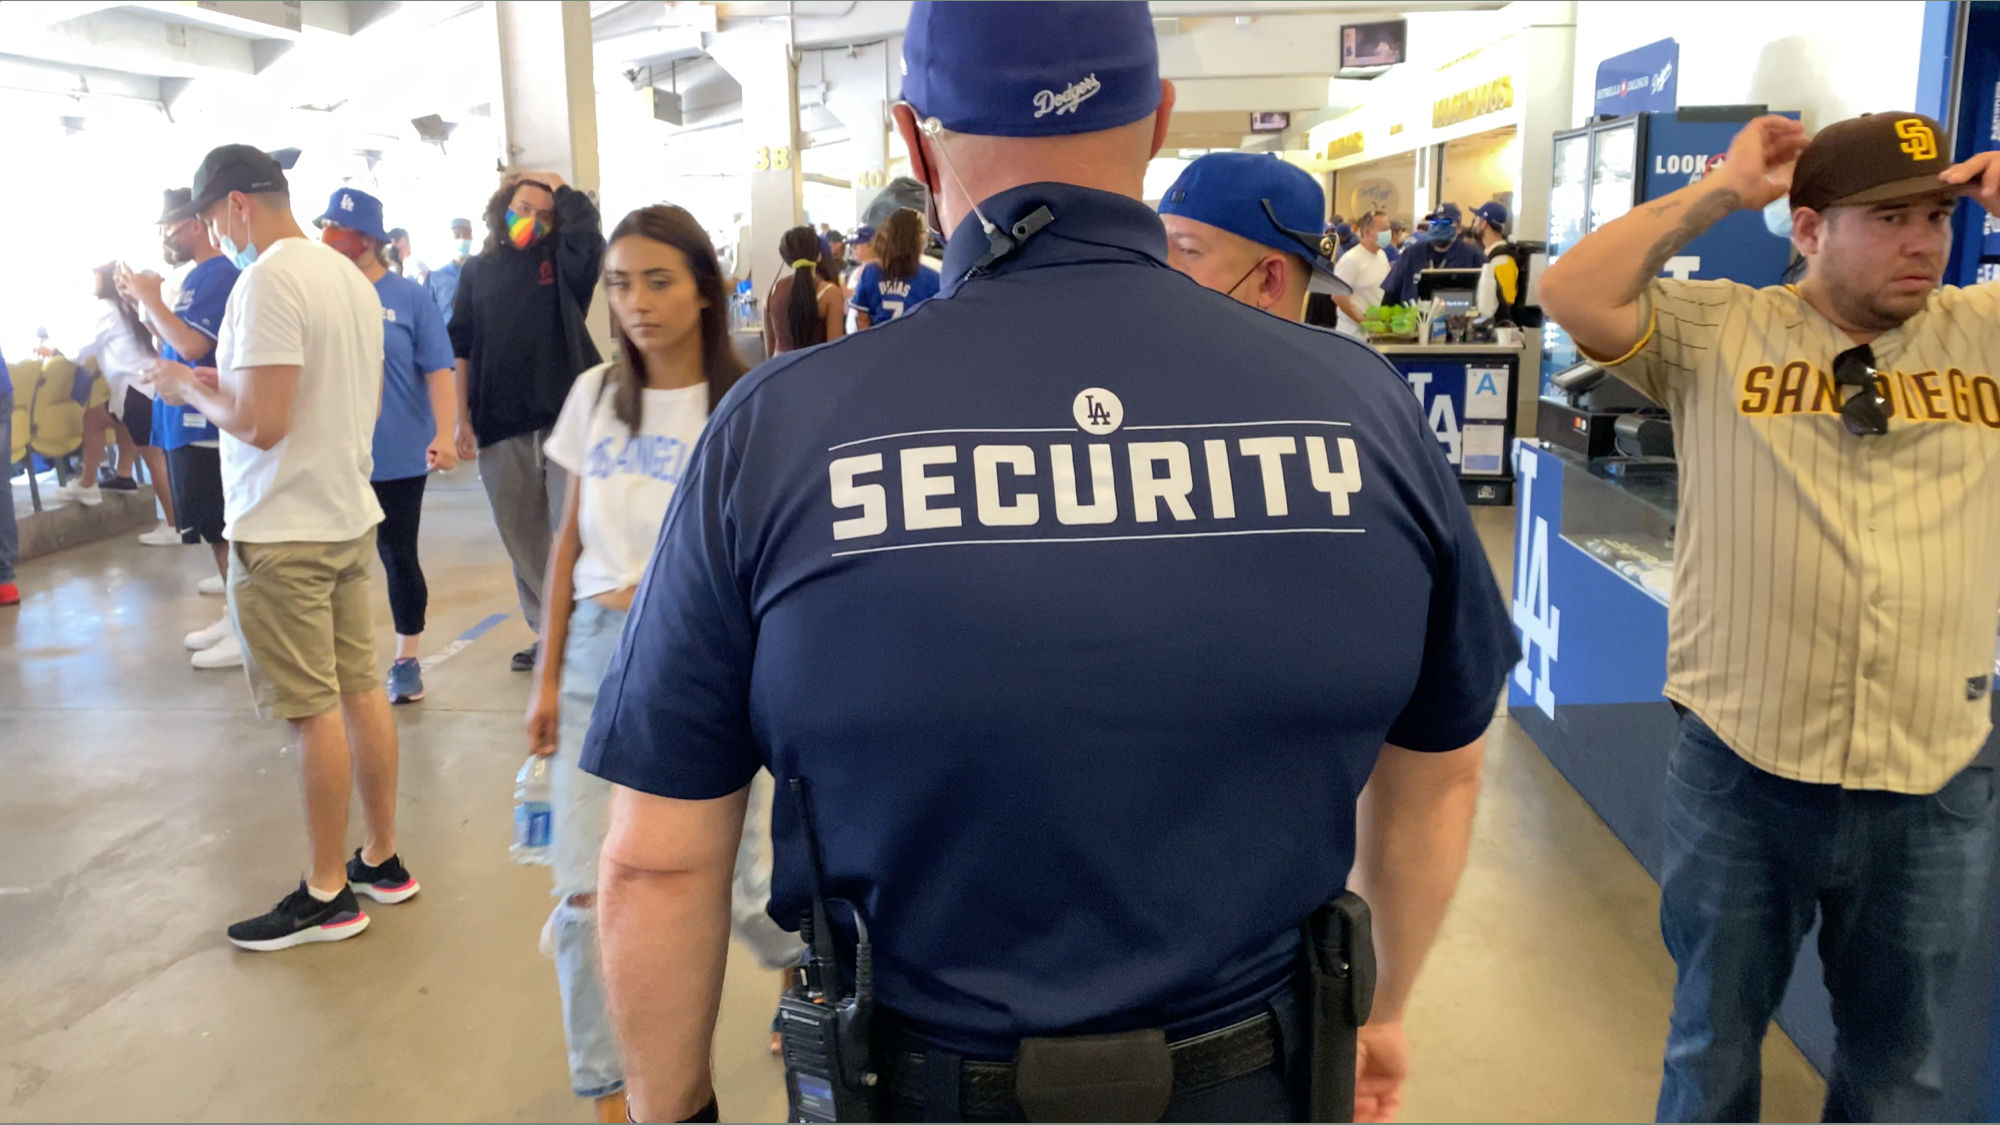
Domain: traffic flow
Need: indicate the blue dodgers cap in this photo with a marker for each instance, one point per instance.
(356, 210)
(1010, 69)
(1255, 196)
(1493, 211)
(863, 235)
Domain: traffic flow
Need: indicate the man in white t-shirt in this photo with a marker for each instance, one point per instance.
(296, 390)
(1364, 268)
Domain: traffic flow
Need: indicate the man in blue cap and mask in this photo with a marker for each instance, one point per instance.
(1023, 599)
(1441, 249)
(1240, 223)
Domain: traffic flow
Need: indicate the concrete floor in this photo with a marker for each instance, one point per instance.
(145, 807)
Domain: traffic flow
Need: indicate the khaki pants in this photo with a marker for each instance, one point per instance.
(302, 613)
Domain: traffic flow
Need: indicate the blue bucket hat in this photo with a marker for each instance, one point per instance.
(357, 211)
(1010, 69)
(1255, 196)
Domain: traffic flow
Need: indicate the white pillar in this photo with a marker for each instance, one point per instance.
(759, 56)
(1542, 87)
(548, 105)
(859, 91)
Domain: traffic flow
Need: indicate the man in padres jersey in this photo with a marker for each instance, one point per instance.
(1082, 602)
(1835, 585)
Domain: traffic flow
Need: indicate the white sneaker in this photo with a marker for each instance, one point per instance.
(89, 497)
(165, 535)
(212, 586)
(210, 637)
(225, 653)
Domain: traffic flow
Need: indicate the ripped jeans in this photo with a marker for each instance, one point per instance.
(581, 808)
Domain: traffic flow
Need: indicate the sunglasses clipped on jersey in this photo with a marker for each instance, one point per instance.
(1866, 414)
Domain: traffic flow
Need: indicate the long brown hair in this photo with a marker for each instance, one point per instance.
(899, 245)
(107, 290)
(626, 379)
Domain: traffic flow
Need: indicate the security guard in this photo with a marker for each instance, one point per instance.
(1075, 608)
(1239, 223)
(1441, 249)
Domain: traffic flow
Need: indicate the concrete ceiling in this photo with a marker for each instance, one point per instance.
(320, 64)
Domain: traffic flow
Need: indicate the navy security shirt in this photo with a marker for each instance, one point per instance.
(1083, 599)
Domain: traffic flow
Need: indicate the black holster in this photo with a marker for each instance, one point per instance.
(1340, 982)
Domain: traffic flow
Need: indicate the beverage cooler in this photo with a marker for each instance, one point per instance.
(1603, 169)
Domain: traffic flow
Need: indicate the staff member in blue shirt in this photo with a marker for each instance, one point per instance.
(413, 433)
(1441, 249)
(187, 334)
(1081, 602)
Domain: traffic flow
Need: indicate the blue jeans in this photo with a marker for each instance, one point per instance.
(581, 808)
(10, 533)
(1750, 859)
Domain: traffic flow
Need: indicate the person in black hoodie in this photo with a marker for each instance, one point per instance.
(518, 335)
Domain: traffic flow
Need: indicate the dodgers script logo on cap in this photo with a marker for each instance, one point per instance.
(1005, 69)
(1073, 95)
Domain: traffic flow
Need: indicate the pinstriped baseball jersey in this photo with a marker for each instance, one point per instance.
(1834, 596)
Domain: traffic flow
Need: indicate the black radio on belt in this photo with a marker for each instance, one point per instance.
(829, 1071)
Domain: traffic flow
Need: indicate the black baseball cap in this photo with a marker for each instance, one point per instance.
(243, 168)
(176, 207)
(1873, 158)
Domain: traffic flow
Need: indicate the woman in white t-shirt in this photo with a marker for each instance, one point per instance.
(625, 435)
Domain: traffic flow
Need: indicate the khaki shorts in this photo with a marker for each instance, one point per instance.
(302, 612)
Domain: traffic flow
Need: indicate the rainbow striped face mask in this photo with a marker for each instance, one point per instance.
(524, 230)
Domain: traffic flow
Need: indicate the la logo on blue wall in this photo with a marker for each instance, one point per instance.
(1538, 621)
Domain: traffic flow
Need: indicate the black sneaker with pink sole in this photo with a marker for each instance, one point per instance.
(387, 882)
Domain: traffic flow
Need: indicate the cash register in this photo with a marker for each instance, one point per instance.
(1601, 417)
(1449, 299)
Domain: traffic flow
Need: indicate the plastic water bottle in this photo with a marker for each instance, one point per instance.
(531, 812)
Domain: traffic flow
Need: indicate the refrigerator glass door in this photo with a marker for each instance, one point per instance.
(1613, 161)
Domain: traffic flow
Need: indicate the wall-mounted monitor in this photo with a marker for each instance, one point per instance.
(1270, 121)
(1365, 46)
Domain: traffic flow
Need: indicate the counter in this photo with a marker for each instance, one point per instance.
(1594, 550)
(1468, 396)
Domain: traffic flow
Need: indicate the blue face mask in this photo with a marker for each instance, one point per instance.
(1382, 239)
(1441, 236)
(239, 256)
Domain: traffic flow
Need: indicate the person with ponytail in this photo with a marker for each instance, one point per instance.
(623, 439)
(803, 309)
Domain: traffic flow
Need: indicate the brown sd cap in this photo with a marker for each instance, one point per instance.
(1871, 159)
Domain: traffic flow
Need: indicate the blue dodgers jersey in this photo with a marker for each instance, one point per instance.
(414, 344)
(885, 300)
(204, 299)
(1082, 598)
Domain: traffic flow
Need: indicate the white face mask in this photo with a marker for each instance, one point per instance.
(1778, 217)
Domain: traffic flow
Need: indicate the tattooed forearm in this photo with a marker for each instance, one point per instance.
(1705, 212)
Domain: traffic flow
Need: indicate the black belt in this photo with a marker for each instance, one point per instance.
(986, 1089)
